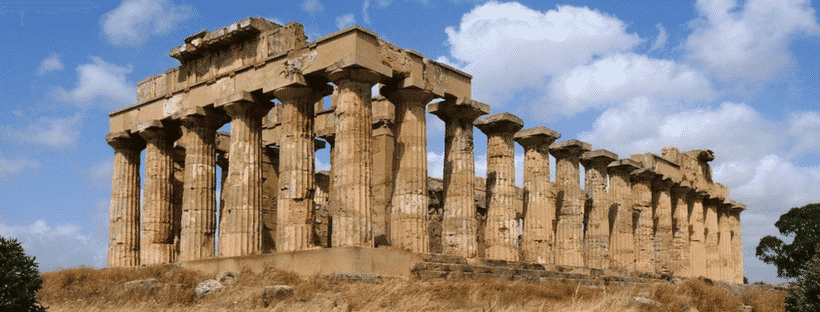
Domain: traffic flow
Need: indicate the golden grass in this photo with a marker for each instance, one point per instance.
(86, 289)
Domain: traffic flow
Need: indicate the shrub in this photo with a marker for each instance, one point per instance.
(804, 295)
(19, 279)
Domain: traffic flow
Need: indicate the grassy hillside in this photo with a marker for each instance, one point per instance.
(85, 289)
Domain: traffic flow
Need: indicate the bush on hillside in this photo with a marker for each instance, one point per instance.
(19, 279)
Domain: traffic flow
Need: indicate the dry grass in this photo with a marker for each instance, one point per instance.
(85, 289)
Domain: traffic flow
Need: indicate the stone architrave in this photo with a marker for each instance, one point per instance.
(501, 230)
(157, 238)
(621, 242)
(198, 232)
(409, 203)
(459, 225)
(353, 162)
(711, 233)
(725, 242)
(539, 206)
(737, 245)
(596, 236)
(697, 249)
(294, 208)
(642, 206)
(662, 216)
(681, 262)
(124, 225)
(240, 224)
(570, 200)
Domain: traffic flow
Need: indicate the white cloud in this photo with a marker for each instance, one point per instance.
(133, 21)
(60, 246)
(51, 63)
(345, 21)
(49, 131)
(508, 47)
(100, 83)
(749, 44)
(366, 8)
(804, 127)
(660, 42)
(100, 173)
(312, 6)
(435, 164)
(12, 167)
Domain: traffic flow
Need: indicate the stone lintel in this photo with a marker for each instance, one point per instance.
(663, 182)
(702, 155)
(569, 148)
(535, 136)
(625, 164)
(601, 155)
(468, 109)
(203, 41)
(499, 123)
(643, 174)
(659, 165)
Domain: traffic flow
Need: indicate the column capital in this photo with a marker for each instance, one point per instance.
(624, 165)
(318, 144)
(243, 104)
(599, 157)
(643, 175)
(662, 182)
(569, 148)
(681, 188)
(362, 75)
(536, 136)
(411, 95)
(201, 117)
(501, 123)
(737, 207)
(467, 109)
(313, 93)
(125, 141)
(155, 130)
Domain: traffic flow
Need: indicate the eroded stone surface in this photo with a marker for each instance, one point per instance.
(570, 202)
(596, 237)
(622, 246)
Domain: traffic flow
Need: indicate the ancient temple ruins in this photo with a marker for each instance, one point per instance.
(651, 213)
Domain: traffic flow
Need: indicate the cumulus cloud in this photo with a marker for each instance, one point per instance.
(345, 21)
(804, 127)
(134, 21)
(660, 41)
(55, 247)
(51, 63)
(366, 8)
(52, 132)
(312, 6)
(748, 44)
(12, 167)
(435, 164)
(100, 83)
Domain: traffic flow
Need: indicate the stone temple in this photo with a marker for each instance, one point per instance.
(646, 213)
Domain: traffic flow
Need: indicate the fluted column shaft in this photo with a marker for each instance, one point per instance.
(157, 246)
(697, 249)
(409, 203)
(737, 247)
(539, 204)
(571, 198)
(621, 242)
(712, 232)
(642, 205)
(596, 238)
(352, 159)
(662, 204)
(681, 263)
(725, 244)
(240, 222)
(124, 225)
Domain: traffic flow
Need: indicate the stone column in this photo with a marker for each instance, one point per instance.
(240, 225)
(352, 158)
(197, 237)
(662, 216)
(384, 142)
(408, 213)
(725, 243)
(294, 209)
(642, 206)
(596, 236)
(459, 225)
(697, 249)
(124, 225)
(681, 262)
(570, 199)
(501, 230)
(737, 245)
(711, 232)
(330, 138)
(178, 185)
(621, 243)
(539, 204)
(157, 246)
(270, 195)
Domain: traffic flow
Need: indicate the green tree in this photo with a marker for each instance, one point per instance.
(804, 295)
(19, 279)
(803, 224)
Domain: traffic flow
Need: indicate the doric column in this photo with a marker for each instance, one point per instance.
(157, 246)
(681, 263)
(352, 158)
(408, 212)
(596, 236)
(459, 225)
(539, 204)
(711, 232)
(697, 249)
(662, 216)
(570, 199)
(240, 225)
(197, 237)
(642, 206)
(178, 185)
(270, 195)
(384, 142)
(501, 230)
(621, 242)
(330, 138)
(725, 242)
(124, 225)
(737, 245)
(294, 214)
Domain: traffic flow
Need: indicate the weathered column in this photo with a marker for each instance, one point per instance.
(697, 249)
(157, 246)
(711, 232)
(621, 242)
(501, 230)
(681, 262)
(270, 195)
(124, 225)
(539, 204)
(408, 212)
(459, 225)
(240, 225)
(294, 209)
(662, 216)
(384, 142)
(352, 158)
(570, 199)
(725, 242)
(178, 185)
(642, 206)
(737, 245)
(330, 138)
(596, 236)
(197, 237)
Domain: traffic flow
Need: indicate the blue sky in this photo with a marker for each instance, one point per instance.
(739, 78)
